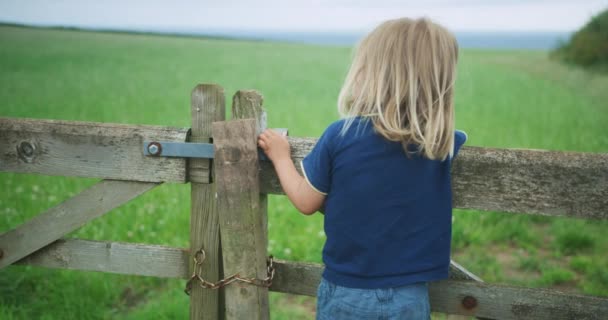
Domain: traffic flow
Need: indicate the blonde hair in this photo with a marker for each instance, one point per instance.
(402, 78)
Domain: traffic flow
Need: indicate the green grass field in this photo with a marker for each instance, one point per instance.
(507, 99)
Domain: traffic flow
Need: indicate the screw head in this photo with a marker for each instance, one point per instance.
(154, 148)
(27, 148)
(26, 151)
(469, 302)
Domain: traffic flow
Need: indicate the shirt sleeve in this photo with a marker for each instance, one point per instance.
(317, 165)
(460, 137)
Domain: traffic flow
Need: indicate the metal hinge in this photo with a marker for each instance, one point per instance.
(178, 149)
(188, 149)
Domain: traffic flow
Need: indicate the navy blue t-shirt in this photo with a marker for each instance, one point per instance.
(388, 216)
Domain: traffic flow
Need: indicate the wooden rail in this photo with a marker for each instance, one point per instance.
(112, 257)
(67, 217)
(492, 301)
(508, 180)
(88, 149)
(129, 258)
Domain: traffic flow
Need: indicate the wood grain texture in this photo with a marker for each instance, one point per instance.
(522, 181)
(247, 104)
(243, 246)
(458, 272)
(88, 149)
(67, 217)
(509, 180)
(509, 302)
(207, 106)
(112, 257)
(162, 262)
(302, 278)
(492, 301)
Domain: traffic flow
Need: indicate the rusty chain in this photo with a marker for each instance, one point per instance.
(198, 268)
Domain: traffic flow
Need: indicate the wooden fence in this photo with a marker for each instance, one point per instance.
(229, 194)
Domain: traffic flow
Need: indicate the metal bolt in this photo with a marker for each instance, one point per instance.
(26, 148)
(154, 148)
(26, 151)
(469, 302)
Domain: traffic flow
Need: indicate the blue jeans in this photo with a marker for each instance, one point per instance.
(340, 303)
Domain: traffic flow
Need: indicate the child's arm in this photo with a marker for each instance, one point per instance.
(300, 193)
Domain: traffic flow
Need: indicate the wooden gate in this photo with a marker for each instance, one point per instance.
(228, 193)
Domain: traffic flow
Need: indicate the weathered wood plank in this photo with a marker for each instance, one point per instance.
(509, 302)
(236, 168)
(207, 106)
(301, 278)
(162, 262)
(112, 257)
(460, 273)
(532, 181)
(88, 149)
(247, 104)
(67, 216)
(492, 301)
(509, 180)
(304, 277)
(526, 181)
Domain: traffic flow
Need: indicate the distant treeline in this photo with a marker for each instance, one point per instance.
(122, 31)
(589, 46)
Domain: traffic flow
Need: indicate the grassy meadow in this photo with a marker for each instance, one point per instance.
(506, 99)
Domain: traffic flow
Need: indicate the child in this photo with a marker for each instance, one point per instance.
(382, 175)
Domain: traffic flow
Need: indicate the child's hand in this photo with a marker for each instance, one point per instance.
(274, 145)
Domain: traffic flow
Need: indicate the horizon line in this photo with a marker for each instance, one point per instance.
(185, 29)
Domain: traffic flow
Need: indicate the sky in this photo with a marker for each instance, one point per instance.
(302, 15)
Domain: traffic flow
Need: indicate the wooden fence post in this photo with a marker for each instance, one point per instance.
(244, 249)
(207, 106)
(247, 104)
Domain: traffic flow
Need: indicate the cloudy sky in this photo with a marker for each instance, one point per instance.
(302, 15)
